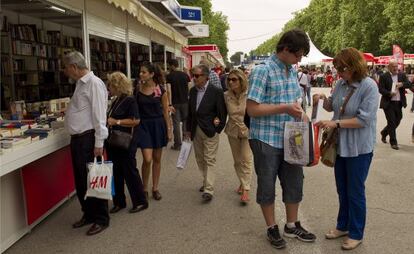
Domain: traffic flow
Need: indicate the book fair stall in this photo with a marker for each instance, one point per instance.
(36, 170)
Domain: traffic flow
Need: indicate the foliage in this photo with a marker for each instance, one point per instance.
(217, 22)
(368, 25)
(235, 58)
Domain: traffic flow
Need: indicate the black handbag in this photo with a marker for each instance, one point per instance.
(120, 139)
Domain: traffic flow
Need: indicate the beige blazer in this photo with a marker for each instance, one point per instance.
(236, 108)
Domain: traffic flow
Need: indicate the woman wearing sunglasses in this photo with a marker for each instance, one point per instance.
(354, 102)
(237, 131)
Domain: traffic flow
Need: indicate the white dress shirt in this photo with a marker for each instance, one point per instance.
(397, 96)
(87, 108)
(200, 93)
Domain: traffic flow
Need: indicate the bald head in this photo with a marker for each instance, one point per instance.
(393, 67)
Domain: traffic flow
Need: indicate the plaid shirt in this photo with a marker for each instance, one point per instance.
(270, 85)
(214, 79)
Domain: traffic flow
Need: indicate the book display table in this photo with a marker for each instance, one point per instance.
(35, 179)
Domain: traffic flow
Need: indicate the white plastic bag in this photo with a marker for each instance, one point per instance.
(184, 154)
(99, 180)
(298, 143)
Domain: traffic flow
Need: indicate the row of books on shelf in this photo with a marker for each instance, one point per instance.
(108, 66)
(29, 32)
(33, 49)
(49, 64)
(108, 56)
(107, 46)
(6, 65)
(139, 58)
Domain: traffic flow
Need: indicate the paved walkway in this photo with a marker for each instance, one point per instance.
(181, 223)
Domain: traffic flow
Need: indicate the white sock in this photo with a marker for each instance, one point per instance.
(290, 225)
(269, 227)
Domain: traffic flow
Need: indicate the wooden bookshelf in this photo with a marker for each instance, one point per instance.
(157, 54)
(31, 62)
(107, 56)
(139, 54)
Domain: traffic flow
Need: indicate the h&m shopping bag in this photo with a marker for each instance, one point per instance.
(99, 180)
(299, 143)
(184, 154)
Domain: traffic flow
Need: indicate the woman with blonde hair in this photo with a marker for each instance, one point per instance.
(354, 102)
(123, 116)
(237, 131)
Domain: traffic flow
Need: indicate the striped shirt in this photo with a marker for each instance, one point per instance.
(270, 84)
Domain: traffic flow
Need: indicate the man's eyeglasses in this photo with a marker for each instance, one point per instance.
(341, 68)
(232, 79)
(197, 75)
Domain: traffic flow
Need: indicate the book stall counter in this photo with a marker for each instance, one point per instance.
(35, 179)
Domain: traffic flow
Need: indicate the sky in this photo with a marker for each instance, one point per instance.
(254, 21)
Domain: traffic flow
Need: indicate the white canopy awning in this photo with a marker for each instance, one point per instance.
(314, 57)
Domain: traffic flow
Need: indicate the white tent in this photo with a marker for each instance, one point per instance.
(315, 57)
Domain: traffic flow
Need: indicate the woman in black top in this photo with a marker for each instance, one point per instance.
(124, 116)
(155, 128)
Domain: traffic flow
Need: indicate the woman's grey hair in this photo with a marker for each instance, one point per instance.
(75, 58)
(204, 68)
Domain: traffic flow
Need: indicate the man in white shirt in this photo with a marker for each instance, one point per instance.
(85, 120)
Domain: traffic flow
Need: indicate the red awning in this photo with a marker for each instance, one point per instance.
(369, 57)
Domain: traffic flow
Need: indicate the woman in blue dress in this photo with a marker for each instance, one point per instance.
(155, 129)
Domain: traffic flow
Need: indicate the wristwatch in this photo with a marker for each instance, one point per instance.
(337, 124)
(118, 122)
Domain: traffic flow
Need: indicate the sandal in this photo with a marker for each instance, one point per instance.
(245, 197)
(156, 195)
(350, 244)
(239, 190)
(335, 233)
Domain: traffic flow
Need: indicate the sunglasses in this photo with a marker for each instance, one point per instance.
(341, 68)
(197, 75)
(232, 79)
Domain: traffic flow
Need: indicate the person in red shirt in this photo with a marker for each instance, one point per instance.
(329, 78)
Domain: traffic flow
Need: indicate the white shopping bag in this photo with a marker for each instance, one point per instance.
(184, 154)
(298, 143)
(99, 180)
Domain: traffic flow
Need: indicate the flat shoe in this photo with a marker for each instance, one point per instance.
(156, 195)
(138, 208)
(245, 197)
(95, 229)
(116, 209)
(351, 244)
(82, 222)
(335, 233)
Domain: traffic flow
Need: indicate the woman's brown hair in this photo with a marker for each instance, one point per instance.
(354, 60)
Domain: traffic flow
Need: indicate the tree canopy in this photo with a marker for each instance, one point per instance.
(217, 22)
(368, 25)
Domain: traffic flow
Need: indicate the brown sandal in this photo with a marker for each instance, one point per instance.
(335, 233)
(156, 195)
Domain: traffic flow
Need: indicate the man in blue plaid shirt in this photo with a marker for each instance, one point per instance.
(273, 100)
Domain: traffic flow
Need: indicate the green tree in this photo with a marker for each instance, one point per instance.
(235, 58)
(218, 25)
(368, 25)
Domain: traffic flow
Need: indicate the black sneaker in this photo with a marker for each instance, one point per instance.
(274, 238)
(299, 232)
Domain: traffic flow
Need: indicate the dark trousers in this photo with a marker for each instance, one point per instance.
(180, 115)
(393, 114)
(94, 209)
(125, 171)
(350, 176)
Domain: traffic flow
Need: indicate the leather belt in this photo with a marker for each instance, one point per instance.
(83, 133)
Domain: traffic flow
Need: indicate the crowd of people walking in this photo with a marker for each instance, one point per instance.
(252, 110)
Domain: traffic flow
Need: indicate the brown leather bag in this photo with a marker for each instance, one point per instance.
(330, 138)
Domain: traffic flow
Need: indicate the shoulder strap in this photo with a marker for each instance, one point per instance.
(342, 111)
(117, 106)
